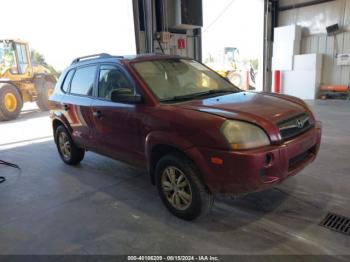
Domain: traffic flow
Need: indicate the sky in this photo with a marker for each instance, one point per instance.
(64, 29)
(233, 23)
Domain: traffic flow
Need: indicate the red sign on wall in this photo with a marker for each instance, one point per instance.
(181, 44)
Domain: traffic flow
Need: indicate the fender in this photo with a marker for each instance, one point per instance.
(4, 81)
(45, 76)
(51, 78)
(178, 143)
(167, 138)
(62, 119)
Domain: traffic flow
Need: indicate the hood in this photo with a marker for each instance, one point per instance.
(262, 109)
(248, 106)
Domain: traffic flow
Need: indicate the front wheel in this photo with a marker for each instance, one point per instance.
(180, 188)
(235, 78)
(11, 102)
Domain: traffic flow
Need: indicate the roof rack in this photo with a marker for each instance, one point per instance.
(88, 57)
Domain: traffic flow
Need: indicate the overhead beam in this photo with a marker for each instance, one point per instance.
(300, 5)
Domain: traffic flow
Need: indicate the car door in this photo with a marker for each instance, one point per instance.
(117, 127)
(76, 104)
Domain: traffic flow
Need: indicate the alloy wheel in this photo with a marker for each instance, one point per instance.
(176, 188)
(64, 145)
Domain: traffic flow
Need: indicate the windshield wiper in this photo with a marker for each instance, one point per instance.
(218, 91)
(196, 95)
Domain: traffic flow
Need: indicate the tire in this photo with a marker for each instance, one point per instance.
(44, 88)
(68, 151)
(235, 78)
(11, 102)
(197, 200)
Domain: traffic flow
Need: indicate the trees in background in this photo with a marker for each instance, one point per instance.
(38, 58)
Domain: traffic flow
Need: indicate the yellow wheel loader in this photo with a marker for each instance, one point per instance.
(21, 81)
(234, 69)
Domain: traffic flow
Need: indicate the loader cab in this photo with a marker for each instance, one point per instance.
(15, 59)
(230, 54)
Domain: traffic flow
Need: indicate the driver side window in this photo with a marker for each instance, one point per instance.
(112, 79)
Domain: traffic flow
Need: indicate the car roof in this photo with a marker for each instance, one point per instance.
(104, 57)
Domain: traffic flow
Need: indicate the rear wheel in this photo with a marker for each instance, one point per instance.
(69, 152)
(180, 188)
(11, 102)
(45, 90)
(235, 78)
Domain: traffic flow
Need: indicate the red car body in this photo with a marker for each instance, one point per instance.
(139, 133)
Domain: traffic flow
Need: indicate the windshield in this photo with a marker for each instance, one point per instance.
(171, 79)
(7, 56)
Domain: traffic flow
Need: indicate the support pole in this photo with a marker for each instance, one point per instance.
(148, 5)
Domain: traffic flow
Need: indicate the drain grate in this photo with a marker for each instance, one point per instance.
(337, 223)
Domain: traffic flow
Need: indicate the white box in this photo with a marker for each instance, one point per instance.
(308, 62)
(287, 33)
(303, 84)
(286, 48)
(282, 62)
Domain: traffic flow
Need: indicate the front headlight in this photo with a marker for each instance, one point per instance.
(242, 135)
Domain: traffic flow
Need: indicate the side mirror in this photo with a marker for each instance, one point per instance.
(120, 96)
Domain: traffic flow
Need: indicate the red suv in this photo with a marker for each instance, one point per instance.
(194, 131)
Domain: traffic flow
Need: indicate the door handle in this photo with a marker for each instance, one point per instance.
(98, 114)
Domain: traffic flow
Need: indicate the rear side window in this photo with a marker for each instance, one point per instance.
(65, 86)
(83, 81)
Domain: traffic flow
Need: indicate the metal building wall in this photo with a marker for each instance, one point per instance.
(314, 20)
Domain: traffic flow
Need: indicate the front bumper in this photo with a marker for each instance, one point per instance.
(252, 170)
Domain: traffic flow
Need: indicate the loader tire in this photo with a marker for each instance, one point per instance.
(11, 102)
(235, 78)
(45, 89)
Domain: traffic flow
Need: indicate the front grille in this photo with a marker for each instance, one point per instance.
(337, 223)
(294, 126)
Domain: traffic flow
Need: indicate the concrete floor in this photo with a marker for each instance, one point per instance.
(106, 207)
